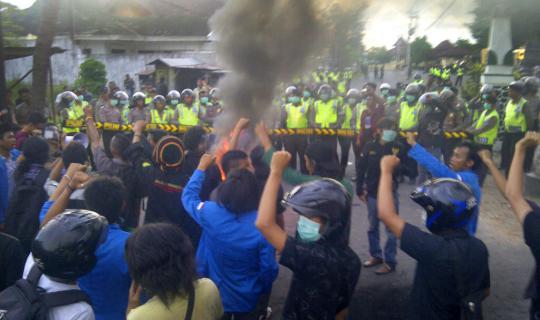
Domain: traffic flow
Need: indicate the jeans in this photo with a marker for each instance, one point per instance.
(296, 145)
(345, 145)
(390, 248)
(423, 174)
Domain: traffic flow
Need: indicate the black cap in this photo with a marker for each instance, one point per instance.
(65, 247)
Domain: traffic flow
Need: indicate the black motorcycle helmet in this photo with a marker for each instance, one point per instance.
(413, 89)
(449, 203)
(327, 199)
(65, 247)
(433, 100)
(531, 85)
(518, 86)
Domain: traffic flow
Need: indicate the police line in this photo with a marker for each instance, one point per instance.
(108, 126)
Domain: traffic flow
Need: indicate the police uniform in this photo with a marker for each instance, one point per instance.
(72, 113)
(408, 120)
(348, 122)
(485, 140)
(160, 117)
(515, 126)
(325, 116)
(296, 117)
(187, 115)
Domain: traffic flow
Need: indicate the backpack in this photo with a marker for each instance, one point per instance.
(24, 206)
(470, 302)
(26, 301)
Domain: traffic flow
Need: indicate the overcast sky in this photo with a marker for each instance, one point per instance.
(387, 20)
(22, 4)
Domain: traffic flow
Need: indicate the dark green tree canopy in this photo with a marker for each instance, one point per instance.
(420, 50)
(92, 74)
(379, 55)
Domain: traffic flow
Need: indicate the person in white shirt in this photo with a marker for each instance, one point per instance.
(63, 251)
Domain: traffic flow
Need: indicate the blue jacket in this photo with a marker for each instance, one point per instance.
(5, 181)
(108, 283)
(232, 252)
(439, 170)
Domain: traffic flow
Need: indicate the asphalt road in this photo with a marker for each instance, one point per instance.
(385, 297)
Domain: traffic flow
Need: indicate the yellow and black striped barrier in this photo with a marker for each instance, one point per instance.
(108, 126)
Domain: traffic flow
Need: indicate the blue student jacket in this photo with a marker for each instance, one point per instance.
(232, 252)
(108, 283)
(439, 170)
(4, 184)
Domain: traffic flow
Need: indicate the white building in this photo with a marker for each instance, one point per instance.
(121, 54)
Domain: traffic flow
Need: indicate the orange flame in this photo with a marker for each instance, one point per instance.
(223, 147)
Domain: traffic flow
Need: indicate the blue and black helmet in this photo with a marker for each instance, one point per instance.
(449, 203)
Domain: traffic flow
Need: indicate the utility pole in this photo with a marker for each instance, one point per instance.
(413, 19)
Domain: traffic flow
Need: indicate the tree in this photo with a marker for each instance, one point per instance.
(379, 55)
(464, 44)
(92, 75)
(345, 37)
(10, 27)
(420, 50)
(524, 20)
(41, 61)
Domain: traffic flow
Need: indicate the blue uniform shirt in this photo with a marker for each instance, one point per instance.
(439, 170)
(6, 183)
(108, 283)
(232, 252)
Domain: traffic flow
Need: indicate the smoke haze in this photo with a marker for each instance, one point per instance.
(262, 43)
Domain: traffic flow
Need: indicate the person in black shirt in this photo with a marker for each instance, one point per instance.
(11, 260)
(452, 274)
(169, 180)
(368, 172)
(325, 269)
(430, 128)
(527, 212)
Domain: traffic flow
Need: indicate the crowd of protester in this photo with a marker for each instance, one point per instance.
(153, 225)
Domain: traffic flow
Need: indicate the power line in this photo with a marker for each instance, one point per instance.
(441, 15)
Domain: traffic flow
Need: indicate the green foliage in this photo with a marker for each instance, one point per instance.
(420, 50)
(10, 27)
(523, 14)
(178, 17)
(92, 74)
(344, 34)
(379, 55)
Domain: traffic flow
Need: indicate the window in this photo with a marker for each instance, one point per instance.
(87, 51)
(118, 51)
